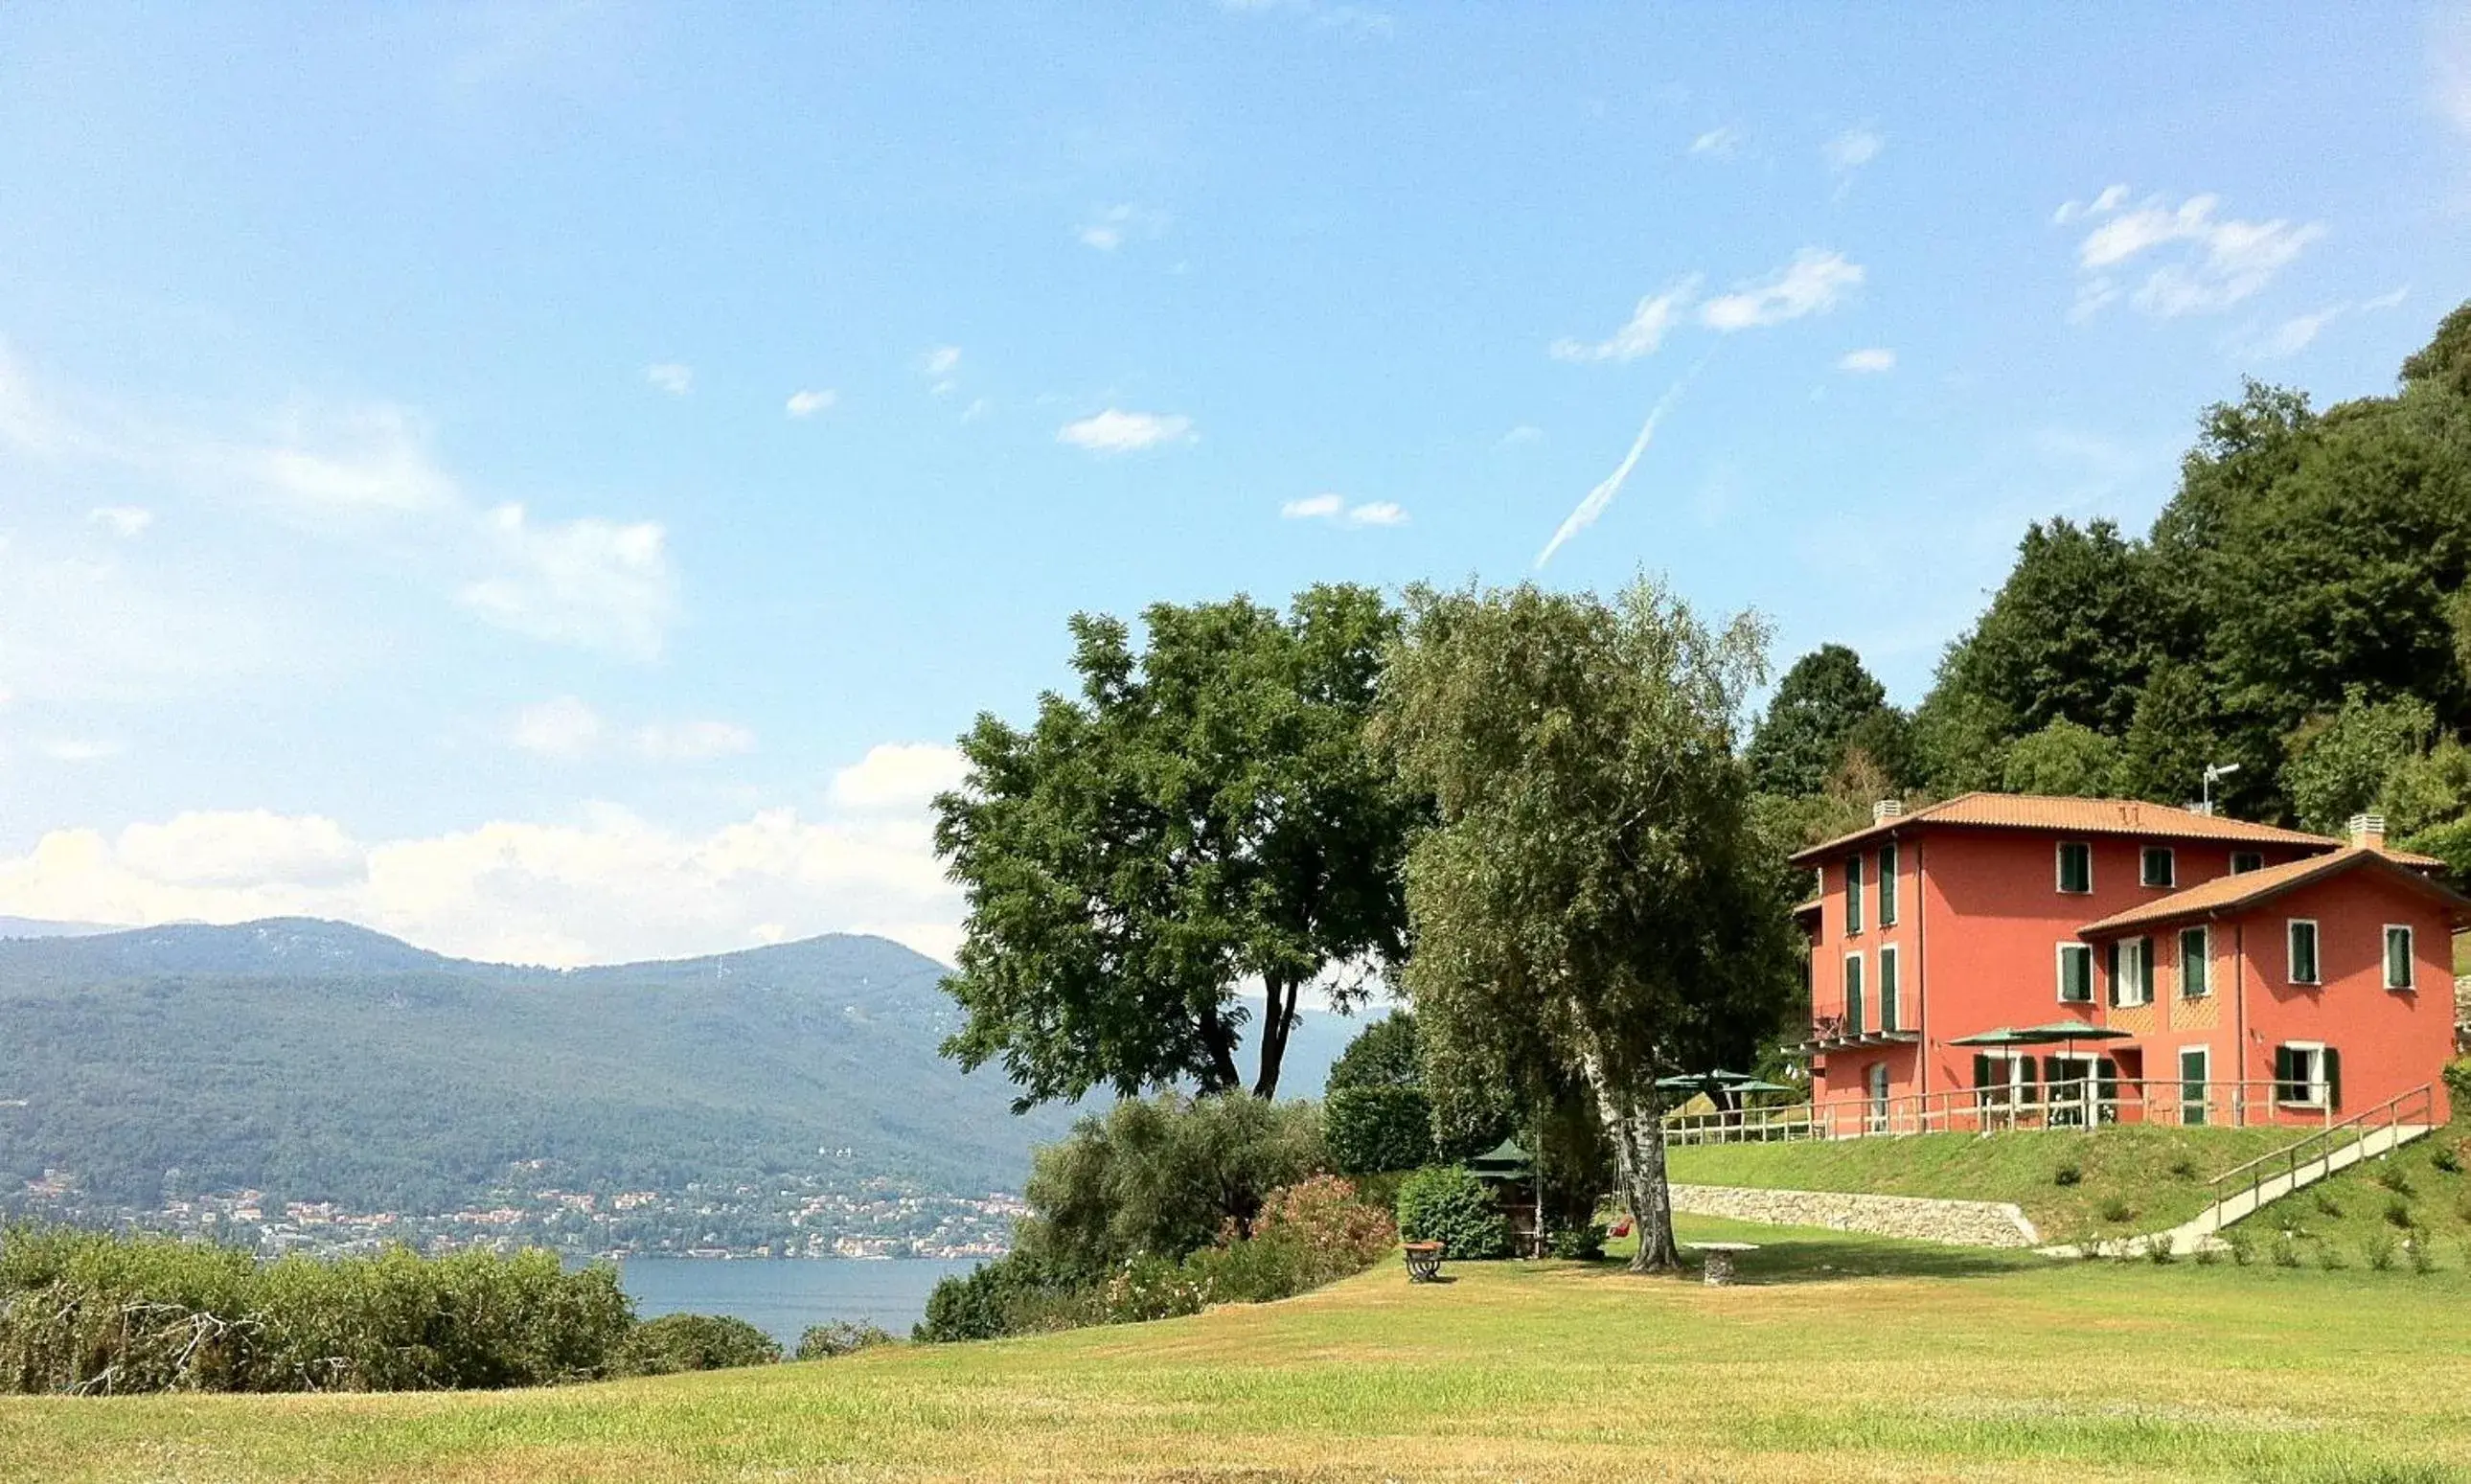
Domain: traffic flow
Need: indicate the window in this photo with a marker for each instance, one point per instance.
(1852, 894)
(2132, 971)
(2076, 866)
(2003, 1078)
(2244, 861)
(1877, 1077)
(2196, 1063)
(2158, 869)
(1888, 884)
(2307, 1075)
(1854, 994)
(2304, 951)
(2399, 957)
(1888, 987)
(2076, 974)
(2195, 962)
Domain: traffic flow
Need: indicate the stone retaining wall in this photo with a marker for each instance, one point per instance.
(1957, 1223)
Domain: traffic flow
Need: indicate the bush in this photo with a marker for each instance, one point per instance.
(2445, 1159)
(2158, 1249)
(2422, 1261)
(2379, 1248)
(2116, 1209)
(840, 1337)
(1015, 1294)
(2184, 1167)
(2241, 1245)
(692, 1342)
(2069, 1172)
(2286, 1249)
(83, 1311)
(2330, 1256)
(1372, 1129)
(2393, 1177)
(1444, 1203)
(2458, 1080)
(2398, 1214)
(1162, 1176)
(2208, 1254)
(2326, 1205)
(1581, 1244)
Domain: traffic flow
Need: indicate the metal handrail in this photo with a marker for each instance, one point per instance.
(2423, 1097)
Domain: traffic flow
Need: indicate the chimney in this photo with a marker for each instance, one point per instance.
(1886, 810)
(2204, 806)
(2367, 831)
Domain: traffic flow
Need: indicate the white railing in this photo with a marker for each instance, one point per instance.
(2079, 1103)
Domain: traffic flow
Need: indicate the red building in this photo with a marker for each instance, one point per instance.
(2000, 957)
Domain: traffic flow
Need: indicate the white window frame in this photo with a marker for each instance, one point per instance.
(2409, 957)
(2060, 967)
(2291, 927)
(2237, 855)
(2170, 867)
(2206, 931)
(2059, 868)
(1888, 956)
(2319, 1089)
(2131, 973)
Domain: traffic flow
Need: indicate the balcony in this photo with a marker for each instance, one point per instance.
(1835, 1033)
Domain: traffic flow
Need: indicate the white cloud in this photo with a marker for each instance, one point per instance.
(1718, 142)
(898, 775)
(1524, 432)
(2391, 299)
(560, 727)
(693, 741)
(80, 749)
(126, 521)
(1118, 432)
(1813, 283)
(671, 377)
(941, 366)
(1109, 228)
(593, 583)
(2297, 333)
(368, 460)
(2203, 263)
(603, 887)
(1335, 510)
(1874, 360)
(1596, 500)
(1852, 148)
(807, 404)
(242, 848)
(2450, 59)
(2109, 199)
(1649, 323)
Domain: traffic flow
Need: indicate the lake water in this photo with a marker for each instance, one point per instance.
(780, 1296)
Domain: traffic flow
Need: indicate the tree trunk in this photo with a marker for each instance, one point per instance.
(1278, 1018)
(1637, 1138)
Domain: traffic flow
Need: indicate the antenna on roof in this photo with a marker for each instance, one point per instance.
(2214, 771)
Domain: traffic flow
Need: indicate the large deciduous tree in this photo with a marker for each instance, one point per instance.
(1811, 719)
(1202, 817)
(1593, 894)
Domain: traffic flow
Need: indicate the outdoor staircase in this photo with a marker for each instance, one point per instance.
(2259, 1183)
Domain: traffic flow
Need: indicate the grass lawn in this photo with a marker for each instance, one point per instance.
(2134, 1178)
(1840, 1358)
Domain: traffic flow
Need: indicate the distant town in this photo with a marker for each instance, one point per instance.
(805, 1216)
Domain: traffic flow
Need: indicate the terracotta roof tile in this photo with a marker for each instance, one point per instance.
(2090, 817)
(2224, 893)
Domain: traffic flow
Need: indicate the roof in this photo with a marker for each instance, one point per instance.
(2090, 817)
(2235, 893)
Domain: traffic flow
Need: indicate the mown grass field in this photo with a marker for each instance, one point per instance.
(1839, 1358)
(2132, 1179)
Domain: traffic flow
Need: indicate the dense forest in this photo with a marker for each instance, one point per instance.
(2298, 609)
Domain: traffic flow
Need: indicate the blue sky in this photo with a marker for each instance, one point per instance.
(550, 479)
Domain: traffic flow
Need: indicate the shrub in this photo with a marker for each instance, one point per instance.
(2325, 1203)
(2458, 1079)
(2445, 1159)
(1333, 1232)
(2241, 1245)
(2116, 1209)
(840, 1337)
(1015, 1294)
(2069, 1172)
(1444, 1203)
(2378, 1248)
(2184, 1167)
(2398, 1213)
(93, 1312)
(1162, 1176)
(2393, 1177)
(2158, 1249)
(2330, 1256)
(2286, 1249)
(692, 1342)
(1581, 1244)
(2208, 1254)
(2422, 1261)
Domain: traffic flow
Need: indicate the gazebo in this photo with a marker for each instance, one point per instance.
(1511, 1171)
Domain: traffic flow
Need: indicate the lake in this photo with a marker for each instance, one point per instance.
(780, 1296)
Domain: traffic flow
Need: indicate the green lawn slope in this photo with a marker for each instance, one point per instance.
(1839, 1358)
(2129, 1179)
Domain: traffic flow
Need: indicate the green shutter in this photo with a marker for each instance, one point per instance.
(2285, 1074)
(1981, 1069)
(1853, 894)
(2397, 959)
(2333, 1077)
(2110, 963)
(1888, 884)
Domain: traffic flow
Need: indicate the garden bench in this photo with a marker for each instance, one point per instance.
(1424, 1262)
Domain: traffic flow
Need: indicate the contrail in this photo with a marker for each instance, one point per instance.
(1603, 494)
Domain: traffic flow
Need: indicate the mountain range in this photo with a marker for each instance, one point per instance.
(323, 1061)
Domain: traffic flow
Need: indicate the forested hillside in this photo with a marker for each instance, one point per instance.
(2298, 609)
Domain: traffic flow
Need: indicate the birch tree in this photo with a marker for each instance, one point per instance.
(1593, 894)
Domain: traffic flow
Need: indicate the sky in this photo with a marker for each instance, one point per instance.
(550, 481)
